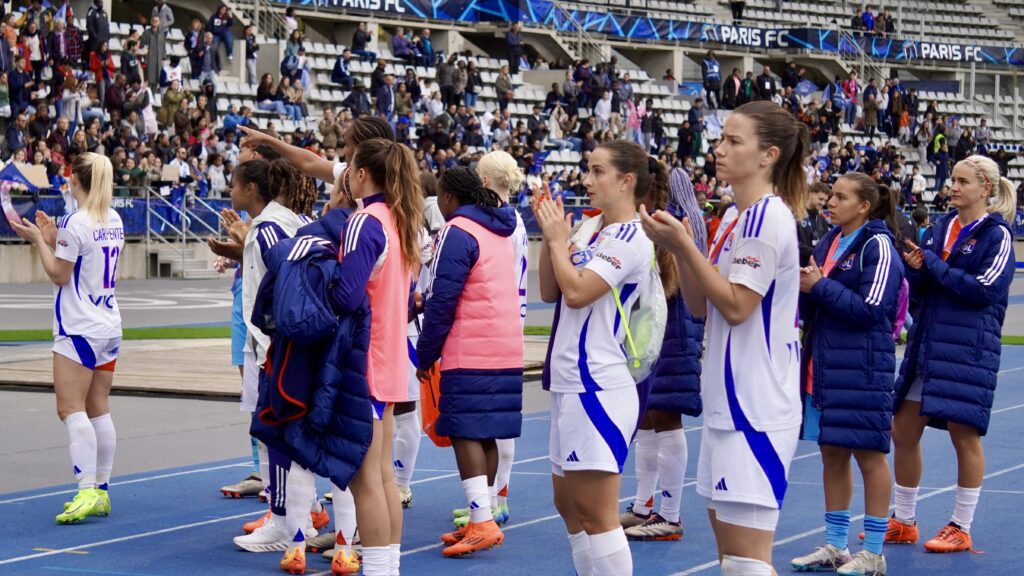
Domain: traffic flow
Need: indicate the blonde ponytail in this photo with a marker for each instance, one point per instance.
(96, 176)
(1004, 201)
(502, 172)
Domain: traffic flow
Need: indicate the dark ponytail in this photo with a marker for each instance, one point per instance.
(651, 189)
(880, 197)
(255, 172)
(465, 185)
(392, 167)
(886, 211)
(777, 127)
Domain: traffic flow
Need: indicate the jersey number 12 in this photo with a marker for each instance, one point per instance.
(110, 269)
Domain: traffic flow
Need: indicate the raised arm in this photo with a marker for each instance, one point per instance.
(306, 161)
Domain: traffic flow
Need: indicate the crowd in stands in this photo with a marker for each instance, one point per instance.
(60, 94)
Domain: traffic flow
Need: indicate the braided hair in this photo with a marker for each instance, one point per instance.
(299, 190)
(465, 186)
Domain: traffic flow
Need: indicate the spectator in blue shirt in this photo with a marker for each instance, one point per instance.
(220, 25)
(869, 20)
(425, 48)
(341, 74)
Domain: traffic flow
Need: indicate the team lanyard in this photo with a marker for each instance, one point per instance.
(954, 234)
(829, 264)
(717, 250)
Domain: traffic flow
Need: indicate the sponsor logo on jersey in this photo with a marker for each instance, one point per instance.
(62, 243)
(611, 260)
(751, 261)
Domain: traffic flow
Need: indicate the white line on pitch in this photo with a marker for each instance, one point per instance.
(129, 537)
(819, 530)
(133, 481)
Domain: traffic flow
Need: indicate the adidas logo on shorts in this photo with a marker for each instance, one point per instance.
(721, 485)
(572, 457)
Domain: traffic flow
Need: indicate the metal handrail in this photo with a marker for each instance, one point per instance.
(861, 58)
(582, 37)
(183, 232)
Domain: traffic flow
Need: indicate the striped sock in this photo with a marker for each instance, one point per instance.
(837, 528)
(874, 533)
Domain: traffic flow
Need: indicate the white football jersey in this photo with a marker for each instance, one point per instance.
(522, 247)
(586, 351)
(86, 306)
(751, 378)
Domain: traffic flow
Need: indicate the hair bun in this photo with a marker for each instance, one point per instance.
(652, 164)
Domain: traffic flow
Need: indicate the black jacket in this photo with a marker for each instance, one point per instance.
(809, 231)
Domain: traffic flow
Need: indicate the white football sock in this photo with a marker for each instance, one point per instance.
(82, 446)
(738, 566)
(264, 468)
(966, 503)
(479, 498)
(406, 447)
(106, 445)
(377, 561)
(299, 498)
(672, 454)
(506, 455)
(396, 559)
(646, 464)
(610, 551)
(581, 560)
(344, 515)
(905, 502)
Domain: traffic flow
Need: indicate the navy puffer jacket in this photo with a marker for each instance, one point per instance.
(676, 386)
(314, 400)
(848, 318)
(958, 305)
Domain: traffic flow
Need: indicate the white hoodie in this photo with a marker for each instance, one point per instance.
(254, 268)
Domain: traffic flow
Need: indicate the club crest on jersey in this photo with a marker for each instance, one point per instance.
(968, 246)
(581, 257)
(847, 264)
(728, 242)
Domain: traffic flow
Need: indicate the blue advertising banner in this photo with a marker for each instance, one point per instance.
(546, 13)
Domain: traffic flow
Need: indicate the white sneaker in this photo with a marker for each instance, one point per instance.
(825, 558)
(405, 495)
(864, 563)
(271, 537)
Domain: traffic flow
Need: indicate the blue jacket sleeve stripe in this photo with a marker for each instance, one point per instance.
(441, 237)
(268, 234)
(352, 233)
(881, 272)
(996, 269)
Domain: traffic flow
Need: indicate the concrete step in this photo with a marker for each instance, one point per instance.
(200, 274)
(189, 264)
(168, 253)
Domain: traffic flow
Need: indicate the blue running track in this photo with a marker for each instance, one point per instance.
(171, 522)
